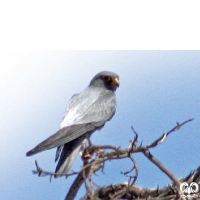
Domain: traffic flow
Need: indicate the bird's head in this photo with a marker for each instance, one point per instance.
(109, 80)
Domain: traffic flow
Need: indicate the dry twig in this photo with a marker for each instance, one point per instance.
(117, 153)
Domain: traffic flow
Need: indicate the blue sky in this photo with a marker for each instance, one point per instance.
(157, 89)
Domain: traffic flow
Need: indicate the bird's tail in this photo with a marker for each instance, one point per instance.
(68, 155)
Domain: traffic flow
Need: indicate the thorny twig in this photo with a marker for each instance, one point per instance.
(43, 173)
(163, 137)
(135, 167)
(136, 171)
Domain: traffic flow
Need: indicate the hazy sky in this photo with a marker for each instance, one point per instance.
(157, 89)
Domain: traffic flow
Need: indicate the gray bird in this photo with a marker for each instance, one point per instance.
(86, 113)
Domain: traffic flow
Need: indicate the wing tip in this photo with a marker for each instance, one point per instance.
(30, 153)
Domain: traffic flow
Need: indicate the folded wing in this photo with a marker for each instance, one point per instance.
(88, 112)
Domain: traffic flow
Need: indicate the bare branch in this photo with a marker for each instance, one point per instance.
(114, 153)
(86, 173)
(43, 173)
(135, 167)
(136, 171)
(123, 191)
(163, 137)
(162, 167)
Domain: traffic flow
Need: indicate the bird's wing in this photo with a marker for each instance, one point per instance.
(62, 137)
(94, 104)
(91, 109)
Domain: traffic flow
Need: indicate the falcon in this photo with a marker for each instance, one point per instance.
(86, 113)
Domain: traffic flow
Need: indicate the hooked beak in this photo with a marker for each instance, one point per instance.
(116, 82)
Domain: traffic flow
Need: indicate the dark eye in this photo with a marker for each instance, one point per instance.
(107, 78)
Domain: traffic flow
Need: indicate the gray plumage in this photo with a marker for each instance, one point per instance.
(86, 113)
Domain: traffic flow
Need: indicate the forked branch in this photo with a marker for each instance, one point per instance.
(114, 153)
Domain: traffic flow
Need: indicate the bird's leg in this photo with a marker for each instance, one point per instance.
(89, 142)
(89, 151)
(95, 150)
(87, 154)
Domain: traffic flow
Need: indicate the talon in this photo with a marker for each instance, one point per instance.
(99, 151)
(87, 155)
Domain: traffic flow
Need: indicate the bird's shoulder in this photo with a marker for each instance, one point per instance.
(93, 104)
